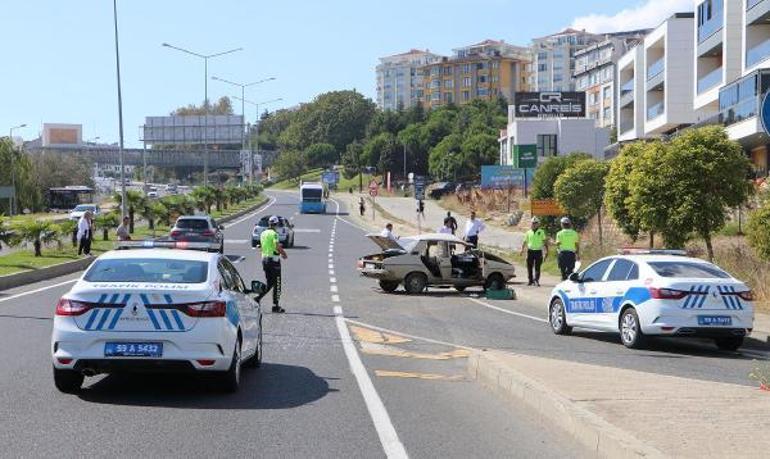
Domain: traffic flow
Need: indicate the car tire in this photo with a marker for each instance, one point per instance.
(631, 334)
(253, 245)
(415, 283)
(460, 288)
(230, 380)
(729, 343)
(67, 381)
(557, 318)
(388, 286)
(255, 361)
(495, 281)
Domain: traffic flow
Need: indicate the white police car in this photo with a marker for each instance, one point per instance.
(157, 309)
(654, 292)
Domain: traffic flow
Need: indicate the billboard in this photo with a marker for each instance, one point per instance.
(58, 135)
(504, 177)
(194, 129)
(553, 104)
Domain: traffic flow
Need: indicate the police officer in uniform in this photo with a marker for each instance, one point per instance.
(536, 245)
(272, 252)
(568, 245)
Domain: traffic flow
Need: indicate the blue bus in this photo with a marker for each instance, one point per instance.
(312, 198)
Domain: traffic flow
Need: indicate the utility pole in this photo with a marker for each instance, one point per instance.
(13, 167)
(123, 208)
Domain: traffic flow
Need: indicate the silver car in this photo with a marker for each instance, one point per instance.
(438, 260)
(285, 231)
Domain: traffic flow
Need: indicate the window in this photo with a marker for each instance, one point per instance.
(595, 272)
(607, 92)
(467, 82)
(435, 84)
(622, 271)
(436, 96)
(148, 270)
(482, 92)
(684, 269)
(546, 145)
(466, 68)
(234, 276)
(447, 70)
(193, 224)
(482, 79)
(542, 67)
(228, 282)
(495, 79)
(466, 96)
(449, 83)
(607, 113)
(448, 97)
(495, 65)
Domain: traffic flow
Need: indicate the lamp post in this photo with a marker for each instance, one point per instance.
(205, 58)
(256, 120)
(123, 206)
(13, 167)
(243, 87)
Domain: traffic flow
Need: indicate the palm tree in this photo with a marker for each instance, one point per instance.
(106, 222)
(134, 201)
(38, 232)
(203, 197)
(70, 227)
(152, 211)
(219, 197)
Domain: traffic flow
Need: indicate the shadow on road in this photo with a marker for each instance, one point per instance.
(298, 247)
(271, 387)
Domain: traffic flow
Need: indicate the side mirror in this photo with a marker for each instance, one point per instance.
(575, 277)
(222, 227)
(258, 287)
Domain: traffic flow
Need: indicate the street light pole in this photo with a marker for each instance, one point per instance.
(256, 122)
(243, 87)
(13, 166)
(205, 58)
(123, 208)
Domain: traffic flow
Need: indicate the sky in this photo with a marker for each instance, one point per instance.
(59, 56)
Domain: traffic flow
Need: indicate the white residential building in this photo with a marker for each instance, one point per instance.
(555, 58)
(399, 82)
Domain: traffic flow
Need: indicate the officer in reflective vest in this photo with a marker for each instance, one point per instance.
(536, 245)
(272, 252)
(568, 245)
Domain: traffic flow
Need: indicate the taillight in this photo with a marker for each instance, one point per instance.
(360, 264)
(175, 233)
(205, 309)
(67, 307)
(208, 232)
(748, 295)
(667, 293)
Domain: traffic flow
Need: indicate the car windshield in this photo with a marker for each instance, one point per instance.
(196, 224)
(264, 222)
(148, 270)
(82, 208)
(682, 269)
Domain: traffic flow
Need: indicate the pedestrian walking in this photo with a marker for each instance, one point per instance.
(361, 206)
(452, 222)
(272, 253)
(447, 228)
(85, 230)
(122, 231)
(536, 245)
(473, 227)
(568, 247)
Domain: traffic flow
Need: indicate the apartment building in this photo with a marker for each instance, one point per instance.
(554, 58)
(656, 81)
(399, 78)
(485, 70)
(594, 73)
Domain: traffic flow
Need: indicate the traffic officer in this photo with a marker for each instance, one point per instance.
(536, 245)
(568, 246)
(272, 252)
(472, 229)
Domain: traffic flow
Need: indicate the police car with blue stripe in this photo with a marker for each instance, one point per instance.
(157, 307)
(640, 293)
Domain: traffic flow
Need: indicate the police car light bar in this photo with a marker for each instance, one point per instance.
(181, 245)
(638, 251)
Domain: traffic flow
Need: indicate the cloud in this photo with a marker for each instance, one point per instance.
(645, 15)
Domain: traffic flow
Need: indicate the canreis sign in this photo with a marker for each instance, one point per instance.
(550, 104)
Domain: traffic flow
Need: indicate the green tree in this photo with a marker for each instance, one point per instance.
(223, 106)
(383, 151)
(134, 201)
(152, 211)
(106, 222)
(177, 205)
(321, 155)
(445, 161)
(617, 190)
(580, 190)
(204, 198)
(758, 230)
(38, 232)
(478, 150)
(547, 173)
(290, 165)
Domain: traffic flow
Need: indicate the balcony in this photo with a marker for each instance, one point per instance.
(752, 3)
(757, 11)
(709, 28)
(758, 53)
(626, 97)
(656, 68)
(711, 80)
(656, 110)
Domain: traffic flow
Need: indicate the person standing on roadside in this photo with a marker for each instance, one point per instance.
(122, 231)
(568, 247)
(447, 228)
(452, 222)
(85, 228)
(272, 252)
(361, 206)
(536, 245)
(473, 227)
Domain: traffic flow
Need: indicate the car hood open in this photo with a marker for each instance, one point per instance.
(384, 243)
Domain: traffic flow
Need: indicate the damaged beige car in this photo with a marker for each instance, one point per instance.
(433, 260)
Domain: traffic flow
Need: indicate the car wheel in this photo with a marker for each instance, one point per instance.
(729, 343)
(415, 283)
(460, 288)
(389, 286)
(495, 281)
(255, 361)
(253, 245)
(557, 317)
(630, 331)
(67, 381)
(231, 379)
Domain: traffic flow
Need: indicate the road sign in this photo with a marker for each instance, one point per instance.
(419, 187)
(525, 156)
(545, 208)
(330, 177)
(373, 188)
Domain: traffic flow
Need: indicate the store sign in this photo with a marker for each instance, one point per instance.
(525, 156)
(550, 104)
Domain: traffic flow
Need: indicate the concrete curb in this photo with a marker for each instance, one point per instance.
(599, 436)
(62, 269)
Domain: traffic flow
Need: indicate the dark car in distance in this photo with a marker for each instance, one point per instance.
(198, 228)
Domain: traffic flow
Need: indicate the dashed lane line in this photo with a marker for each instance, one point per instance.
(273, 200)
(333, 288)
(336, 298)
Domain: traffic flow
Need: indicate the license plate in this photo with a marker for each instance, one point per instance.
(133, 349)
(715, 320)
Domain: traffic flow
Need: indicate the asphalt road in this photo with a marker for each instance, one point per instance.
(312, 397)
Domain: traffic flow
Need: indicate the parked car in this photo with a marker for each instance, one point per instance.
(81, 209)
(441, 260)
(285, 231)
(440, 189)
(198, 228)
(152, 194)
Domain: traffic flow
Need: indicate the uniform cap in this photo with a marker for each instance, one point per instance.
(535, 220)
(565, 221)
(274, 220)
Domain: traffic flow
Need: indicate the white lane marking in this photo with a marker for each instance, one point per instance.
(307, 230)
(333, 289)
(237, 241)
(506, 311)
(331, 265)
(333, 280)
(391, 444)
(37, 290)
(272, 201)
(336, 298)
(421, 338)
